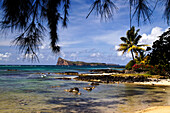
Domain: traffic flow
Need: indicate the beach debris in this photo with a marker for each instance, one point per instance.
(74, 90)
(88, 88)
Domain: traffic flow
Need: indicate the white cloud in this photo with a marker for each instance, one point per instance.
(68, 43)
(62, 54)
(73, 55)
(119, 53)
(116, 47)
(95, 54)
(5, 56)
(153, 36)
(41, 56)
(128, 55)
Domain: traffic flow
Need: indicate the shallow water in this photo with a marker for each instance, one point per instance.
(25, 91)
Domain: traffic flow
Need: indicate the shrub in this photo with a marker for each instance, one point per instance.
(130, 64)
(153, 70)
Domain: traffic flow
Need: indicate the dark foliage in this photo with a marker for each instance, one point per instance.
(160, 54)
(130, 64)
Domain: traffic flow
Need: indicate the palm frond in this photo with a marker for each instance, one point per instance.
(16, 13)
(122, 48)
(142, 10)
(124, 39)
(105, 8)
(123, 45)
(136, 34)
(53, 18)
(66, 7)
(136, 52)
(142, 45)
(139, 48)
(137, 39)
(129, 49)
(124, 51)
(29, 41)
(167, 11)
(96, 5)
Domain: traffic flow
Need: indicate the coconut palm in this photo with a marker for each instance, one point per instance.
(131, 42)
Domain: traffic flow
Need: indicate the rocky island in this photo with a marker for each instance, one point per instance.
(64, 62)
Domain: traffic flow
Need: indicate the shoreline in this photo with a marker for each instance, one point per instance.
(156, 109)
(112, 78)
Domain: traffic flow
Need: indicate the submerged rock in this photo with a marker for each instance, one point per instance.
(63, 78)
(94, 83)
(88, 88)
(74, 90)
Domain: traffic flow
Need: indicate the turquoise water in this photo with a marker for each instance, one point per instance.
(23, 90)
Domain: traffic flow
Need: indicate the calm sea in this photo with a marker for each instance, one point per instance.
(24, 90)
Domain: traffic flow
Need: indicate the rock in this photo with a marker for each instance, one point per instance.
(73, 90)
(88, 88)
(112, 79)
(12, 70)
(64, 78)
(71, 73)
(107, 71)
(129, 71)
(55, 86)
(94, 83)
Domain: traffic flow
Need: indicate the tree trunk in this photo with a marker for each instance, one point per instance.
(130, 15)
(132, 55)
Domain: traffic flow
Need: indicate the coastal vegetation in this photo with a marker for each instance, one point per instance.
(157, 61)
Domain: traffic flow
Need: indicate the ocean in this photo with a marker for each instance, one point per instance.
(24, 90)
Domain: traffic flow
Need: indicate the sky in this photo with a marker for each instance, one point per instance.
(88, 40)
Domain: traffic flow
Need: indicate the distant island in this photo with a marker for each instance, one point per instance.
(64, 62)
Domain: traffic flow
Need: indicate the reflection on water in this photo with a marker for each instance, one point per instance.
(31, 93)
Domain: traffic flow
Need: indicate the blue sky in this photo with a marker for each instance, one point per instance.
(89, 40)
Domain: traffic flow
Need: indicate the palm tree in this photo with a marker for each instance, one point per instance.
(131, 42)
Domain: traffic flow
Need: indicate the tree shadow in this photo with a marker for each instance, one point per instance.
(80, 105)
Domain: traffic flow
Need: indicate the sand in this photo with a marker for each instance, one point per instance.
(162, 82)
(156, 109)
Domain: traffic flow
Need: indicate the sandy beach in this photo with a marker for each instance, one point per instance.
(160, 82)
(156, 109)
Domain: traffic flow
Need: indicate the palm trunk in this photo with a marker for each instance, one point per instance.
(132, 55)
(130, 15)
